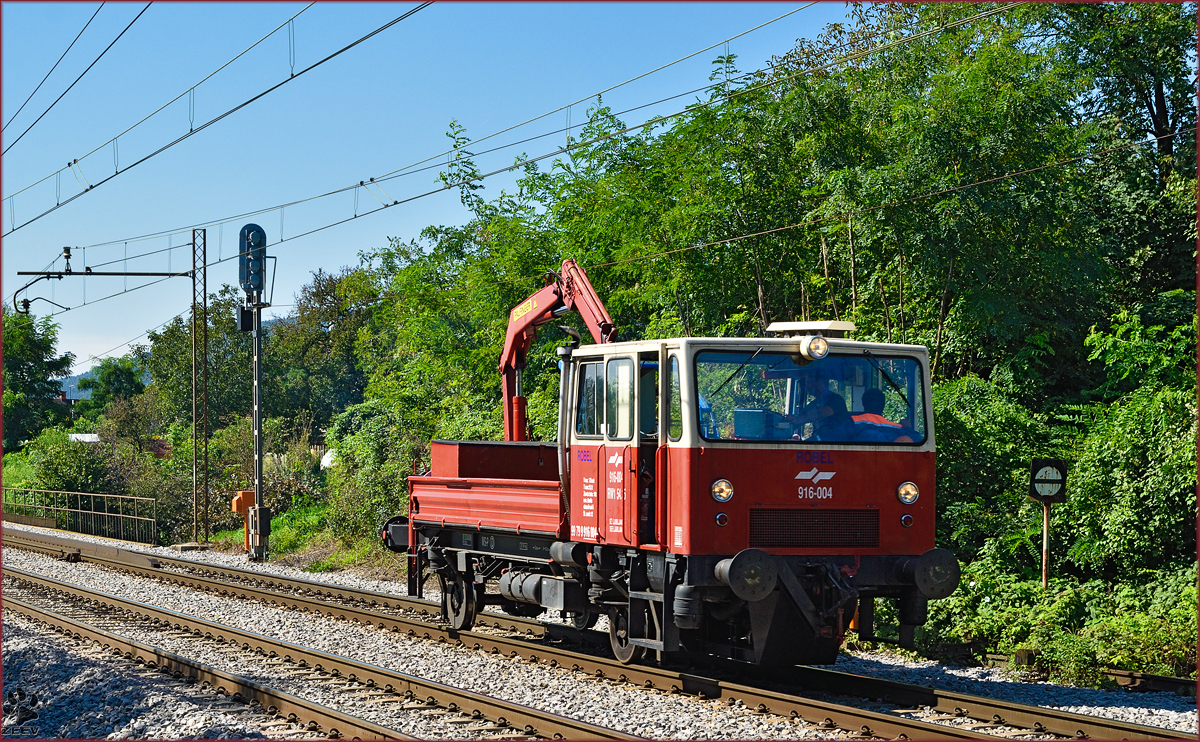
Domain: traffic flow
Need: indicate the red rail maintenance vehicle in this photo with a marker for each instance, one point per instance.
(743, 497)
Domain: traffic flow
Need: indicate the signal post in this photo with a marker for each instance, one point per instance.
(252, 257)
(1047, 485)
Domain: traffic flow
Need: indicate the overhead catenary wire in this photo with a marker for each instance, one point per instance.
(440, 154)
(47, 77)
(838, 217)
(448, 186)
(222, 116)
(105, 354)
(568, 106)
(89, 67)
(115, 348)
(490, 136)
(150, 115)
(408, 169)
(841, 216)
(722, 84)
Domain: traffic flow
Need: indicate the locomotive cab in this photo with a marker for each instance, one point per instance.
(743, 497)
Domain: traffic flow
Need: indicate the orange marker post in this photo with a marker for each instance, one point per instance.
(243, 500)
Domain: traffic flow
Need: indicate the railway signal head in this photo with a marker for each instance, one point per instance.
(252, 258)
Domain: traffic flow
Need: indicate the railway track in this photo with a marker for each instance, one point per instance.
(1138, 681)
(977, 716)
(377, 680)
(313, 716)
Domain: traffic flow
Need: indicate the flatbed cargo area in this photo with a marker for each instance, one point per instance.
(500, 486)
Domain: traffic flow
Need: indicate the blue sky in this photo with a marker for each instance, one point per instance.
(379, 107)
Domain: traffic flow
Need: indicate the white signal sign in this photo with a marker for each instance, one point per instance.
(1048, 480)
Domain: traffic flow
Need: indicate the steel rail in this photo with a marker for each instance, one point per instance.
(1038, 718)
(528, 719)
(985, 710)
(1135, 681)
(336, 724)
(75, 550)
(826, 714)
(1144, 681)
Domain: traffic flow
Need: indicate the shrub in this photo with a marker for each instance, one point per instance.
(1132, 497)
(58, 463)
(373, 457)
(1144, 643)
(1067, 657)
(292, 530)
(985, 439)
(1078, 627)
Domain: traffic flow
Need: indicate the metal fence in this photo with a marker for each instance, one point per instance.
(115, 516)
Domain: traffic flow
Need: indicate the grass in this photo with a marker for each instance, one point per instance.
(300, 538)
(291, 531)
(17, 470)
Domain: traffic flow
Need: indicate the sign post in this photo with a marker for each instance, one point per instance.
(1047, 485)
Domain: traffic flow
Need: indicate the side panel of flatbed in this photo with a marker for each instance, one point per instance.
(518, 505)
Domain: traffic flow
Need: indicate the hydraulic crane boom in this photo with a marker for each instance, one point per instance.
(564, 292)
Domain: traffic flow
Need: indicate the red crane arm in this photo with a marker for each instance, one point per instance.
(570, 290)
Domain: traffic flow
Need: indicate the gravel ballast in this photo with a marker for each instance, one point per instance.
(1164, 710)
(537, 686)
(83, 694)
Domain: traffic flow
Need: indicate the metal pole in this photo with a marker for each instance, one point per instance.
(200, 241)
(195, 415)
(258, 550)
(1045, 545)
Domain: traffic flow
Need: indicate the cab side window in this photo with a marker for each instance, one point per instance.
(648, 396)
(589, 420)
(619, 399)
(675, 421)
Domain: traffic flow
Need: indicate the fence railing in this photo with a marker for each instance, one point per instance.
(115, 516)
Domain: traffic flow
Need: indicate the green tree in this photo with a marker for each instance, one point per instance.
(168, 358)
(112, 379)
(32, 377)
(310, 358)
(968, 190)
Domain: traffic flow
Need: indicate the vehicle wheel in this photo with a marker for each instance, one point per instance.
(583, 620)
(458, 603)
(618, 637)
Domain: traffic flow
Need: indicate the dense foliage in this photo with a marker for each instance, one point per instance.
(31, 377)
(112, 379)
(1013, 187)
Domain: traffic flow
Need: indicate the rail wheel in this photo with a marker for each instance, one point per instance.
(458, 602)
(618, 636)
(583, 620)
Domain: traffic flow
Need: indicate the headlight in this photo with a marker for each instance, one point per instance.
(814, 348)
(908, 493)
(722, 490)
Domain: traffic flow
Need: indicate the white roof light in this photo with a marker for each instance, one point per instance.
(827, 328)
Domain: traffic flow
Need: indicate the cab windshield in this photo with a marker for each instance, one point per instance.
(858, 397)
